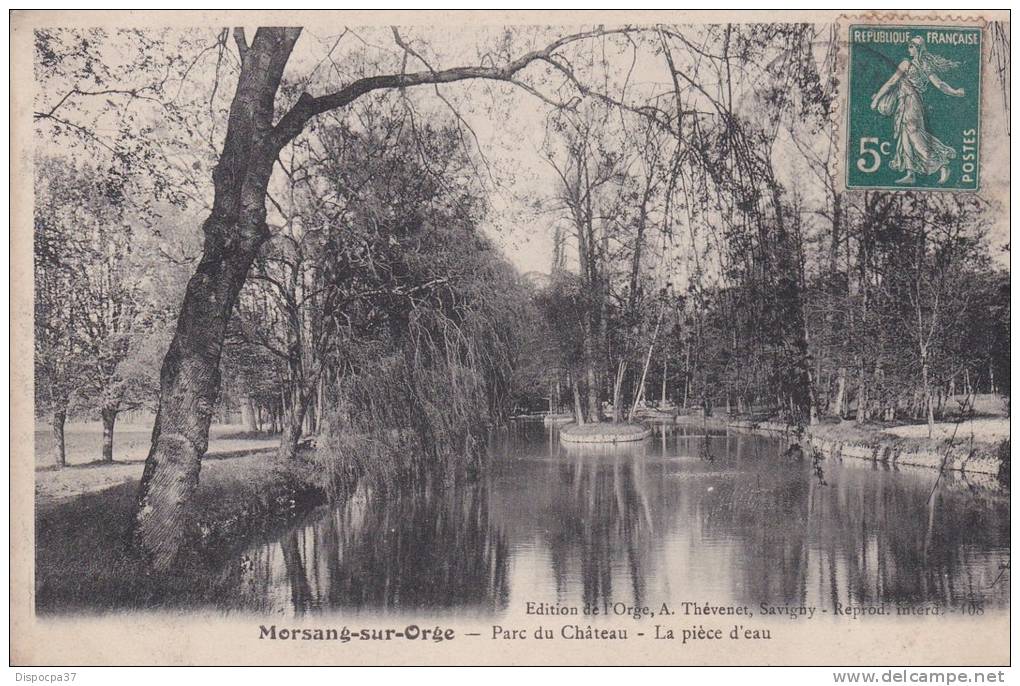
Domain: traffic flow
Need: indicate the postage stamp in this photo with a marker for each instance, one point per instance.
(913, 107)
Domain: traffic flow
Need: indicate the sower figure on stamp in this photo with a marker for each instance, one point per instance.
(917, 150)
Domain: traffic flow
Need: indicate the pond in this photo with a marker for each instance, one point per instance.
(687, 515)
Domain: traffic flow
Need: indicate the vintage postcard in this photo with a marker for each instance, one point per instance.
(510, 338)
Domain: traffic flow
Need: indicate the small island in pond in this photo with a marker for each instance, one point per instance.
(604, 432)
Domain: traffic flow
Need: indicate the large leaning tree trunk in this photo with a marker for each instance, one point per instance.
(234, 232)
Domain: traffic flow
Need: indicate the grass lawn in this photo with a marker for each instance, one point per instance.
(984, 429)
(85, 473)
(83, 442)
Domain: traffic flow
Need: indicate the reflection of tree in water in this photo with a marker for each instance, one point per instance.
(297, 577)
(869, 537)
(760, 509)
(622, 525)
(894, 544)
(429, 550)
(606, 509)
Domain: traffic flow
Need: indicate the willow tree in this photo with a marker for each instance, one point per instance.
(235, 230)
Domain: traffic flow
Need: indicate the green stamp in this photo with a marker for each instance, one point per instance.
(913, 107)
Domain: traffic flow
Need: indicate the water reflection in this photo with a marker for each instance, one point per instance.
(603, 513)
(684, 515)
(426, 550)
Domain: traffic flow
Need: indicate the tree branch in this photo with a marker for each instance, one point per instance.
(242, 44)
(308, 106)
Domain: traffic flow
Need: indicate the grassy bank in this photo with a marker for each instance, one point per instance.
(955, 447)
(976, 446)
(83, 561)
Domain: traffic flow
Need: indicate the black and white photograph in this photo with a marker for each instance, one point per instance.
(510, 338)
